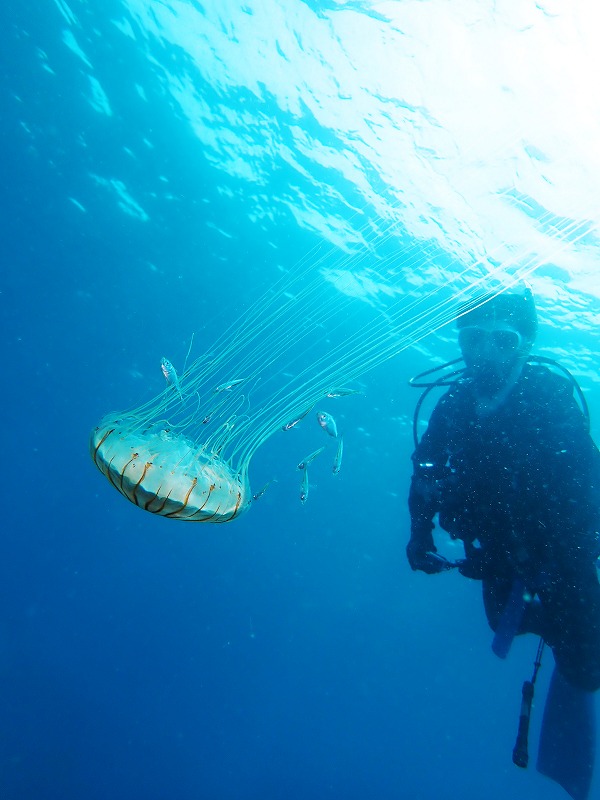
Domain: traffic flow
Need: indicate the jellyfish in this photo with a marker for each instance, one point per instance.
(186, 453)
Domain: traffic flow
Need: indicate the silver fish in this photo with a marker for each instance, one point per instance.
(225, 387)
(292, 424)
(337, 462)
(342, 392)
(262, 491)
(304, 487)
(327, 422)
(170, 373)
(309, 459)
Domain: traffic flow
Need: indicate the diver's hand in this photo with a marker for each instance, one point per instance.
(425, 560)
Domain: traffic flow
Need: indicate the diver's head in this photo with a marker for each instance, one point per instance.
(496, 336)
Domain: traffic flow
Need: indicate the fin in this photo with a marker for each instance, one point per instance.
(511, 619)
(568, 737)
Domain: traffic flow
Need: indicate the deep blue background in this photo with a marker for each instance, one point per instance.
(290, 654)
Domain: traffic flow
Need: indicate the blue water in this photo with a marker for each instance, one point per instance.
(163, 165)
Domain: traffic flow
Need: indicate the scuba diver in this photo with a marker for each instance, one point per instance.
(509, 467)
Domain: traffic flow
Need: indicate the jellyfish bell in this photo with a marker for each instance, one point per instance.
(164, 473)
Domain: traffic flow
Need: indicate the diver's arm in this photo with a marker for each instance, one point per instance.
(562, 468)
(421, 523)
(576, 468)
(429, 460)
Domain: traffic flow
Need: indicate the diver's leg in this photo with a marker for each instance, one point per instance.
(568, 737)
(496, 594)
(496, 591)
(571, 601)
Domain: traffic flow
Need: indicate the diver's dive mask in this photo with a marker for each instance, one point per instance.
(494, 354)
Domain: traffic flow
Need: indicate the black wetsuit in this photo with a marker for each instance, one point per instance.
(521, 488)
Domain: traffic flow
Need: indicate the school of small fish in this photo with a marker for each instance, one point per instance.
(325, 420)
(329, 425)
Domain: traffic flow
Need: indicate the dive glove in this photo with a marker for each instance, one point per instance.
(425, 560)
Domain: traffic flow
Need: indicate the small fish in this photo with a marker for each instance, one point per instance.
(289, 425)
(170, 373)
(327, 422)
(337, 461)
(225, 387)
(309, 459)
(262, 491)
(342, 392)
(304, 487)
